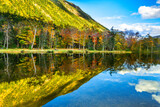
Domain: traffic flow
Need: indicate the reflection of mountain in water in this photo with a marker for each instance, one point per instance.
(155, 69)
(37, 91)
(34, 80)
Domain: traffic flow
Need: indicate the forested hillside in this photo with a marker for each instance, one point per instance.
(59, 12)
(43, 24)
(48, 24)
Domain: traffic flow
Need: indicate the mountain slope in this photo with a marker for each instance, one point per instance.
(59, 12)
(156, 36)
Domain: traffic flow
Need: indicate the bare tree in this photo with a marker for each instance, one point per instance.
(35, 32)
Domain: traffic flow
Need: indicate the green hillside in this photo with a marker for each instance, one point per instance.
(59, 12)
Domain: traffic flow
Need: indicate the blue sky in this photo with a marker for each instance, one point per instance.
(138, 15)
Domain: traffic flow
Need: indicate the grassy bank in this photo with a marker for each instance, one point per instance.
(16, 51)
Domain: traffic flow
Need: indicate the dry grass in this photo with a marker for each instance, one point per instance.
(17, 51)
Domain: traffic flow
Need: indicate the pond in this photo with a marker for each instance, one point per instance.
(80, 80)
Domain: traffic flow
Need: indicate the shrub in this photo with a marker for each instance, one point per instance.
(22, 51)
(87, 52)
(50, 51)
(70, 51)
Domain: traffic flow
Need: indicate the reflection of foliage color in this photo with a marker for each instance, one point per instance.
(34, 89)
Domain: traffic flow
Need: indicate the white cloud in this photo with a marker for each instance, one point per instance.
(156, 97)
(113, 80)
(110, 21)
(143, 28)
(134, 14)
(149, 12)
(135, 27)
(158, 1)
(113, 17)
(132, 84)
(149, 86)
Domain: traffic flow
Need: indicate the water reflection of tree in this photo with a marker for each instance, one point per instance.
(132, 62)
(46, 76)
(21, 66)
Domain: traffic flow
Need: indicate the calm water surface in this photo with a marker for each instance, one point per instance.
(75, 80)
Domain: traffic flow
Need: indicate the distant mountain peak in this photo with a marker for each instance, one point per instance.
(156, 36)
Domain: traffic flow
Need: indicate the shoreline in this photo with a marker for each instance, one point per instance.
(18, 51)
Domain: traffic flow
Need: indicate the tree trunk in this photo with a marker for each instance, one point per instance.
(39, 41)
(72, 42)
(51, 39)
(140, 48)
(84, 42)
(4, 42)
(46, 39)
(35, 32)
(103, 47)
(54, 38)
(152, 48)
(79, 46)
(94, 44)
(42, 39)
(7, 35)
(56, 42)
(80, 42)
